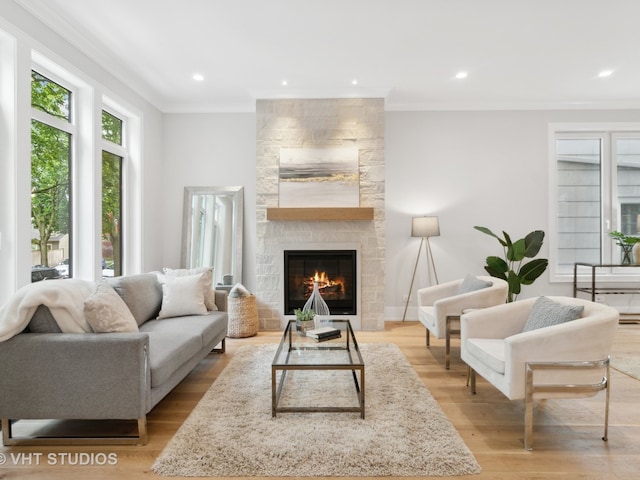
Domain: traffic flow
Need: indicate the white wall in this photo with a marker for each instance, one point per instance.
(468, 168)
(208, 150)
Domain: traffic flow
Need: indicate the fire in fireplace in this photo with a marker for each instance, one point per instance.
(333, 270)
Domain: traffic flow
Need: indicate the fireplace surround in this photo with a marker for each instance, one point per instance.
(320, 123)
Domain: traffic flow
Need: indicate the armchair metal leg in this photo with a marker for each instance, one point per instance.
(472, 381)
(428, 338)
(531, 388)
(606, 403)
(447, 344)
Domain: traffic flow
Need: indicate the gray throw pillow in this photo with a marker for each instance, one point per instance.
(471, 284)
(239, 291)
(142, 294)
(546, 313)
(43, 322)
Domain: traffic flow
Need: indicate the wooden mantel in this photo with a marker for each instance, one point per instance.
(311, 214)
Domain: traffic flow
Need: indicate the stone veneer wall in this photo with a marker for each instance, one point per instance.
(317, 123)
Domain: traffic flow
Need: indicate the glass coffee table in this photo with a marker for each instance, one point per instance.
(297, 352)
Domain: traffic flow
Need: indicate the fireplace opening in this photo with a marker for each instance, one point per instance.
(335, 272)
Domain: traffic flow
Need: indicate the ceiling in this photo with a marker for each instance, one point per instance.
(519, 54)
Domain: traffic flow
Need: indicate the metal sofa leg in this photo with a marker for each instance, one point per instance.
(428, 339)
(141, 439)
(222, 347)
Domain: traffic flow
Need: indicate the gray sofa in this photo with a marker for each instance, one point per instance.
(46, 374)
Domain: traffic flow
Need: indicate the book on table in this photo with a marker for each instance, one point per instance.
(324, 333)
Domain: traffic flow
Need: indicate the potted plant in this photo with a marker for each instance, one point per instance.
(626, 243)
(305, 320)
(511, 268)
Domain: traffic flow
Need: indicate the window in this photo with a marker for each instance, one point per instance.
(597, 191)
(51, 151)
(112, 163)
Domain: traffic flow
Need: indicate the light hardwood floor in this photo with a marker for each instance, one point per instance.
(567, 433)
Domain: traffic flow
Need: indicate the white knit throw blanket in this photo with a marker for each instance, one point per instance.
(65, 298)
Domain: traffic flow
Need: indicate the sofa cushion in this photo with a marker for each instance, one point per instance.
(546, 313)
(209, 289)
(106, 311)
(490, 351)
(208, 326)
(471, 284)
(43, 321)
(169, 349)
(142, 294)
(182, 295)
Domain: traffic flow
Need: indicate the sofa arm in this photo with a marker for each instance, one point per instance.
(221, 300)
(75, 376)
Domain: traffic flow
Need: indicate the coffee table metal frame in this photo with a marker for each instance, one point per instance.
(288, 345)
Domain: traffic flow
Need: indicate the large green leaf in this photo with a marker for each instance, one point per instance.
(530, 271)
(517, 251)
(533, 243)
(497, 264)
(514, 285)
(490, 233)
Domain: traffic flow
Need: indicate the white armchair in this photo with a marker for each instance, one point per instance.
(440, 306)
(566, 360)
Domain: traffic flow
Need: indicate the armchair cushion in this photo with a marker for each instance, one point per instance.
(546, 312)
(490, 351)
(471, 284)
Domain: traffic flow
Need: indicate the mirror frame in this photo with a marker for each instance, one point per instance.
(237, 194)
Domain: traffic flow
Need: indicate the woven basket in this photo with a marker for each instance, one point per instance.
(243, 316)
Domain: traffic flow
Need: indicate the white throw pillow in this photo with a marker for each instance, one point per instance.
(182, 295)
(106, 312)
(209, 288)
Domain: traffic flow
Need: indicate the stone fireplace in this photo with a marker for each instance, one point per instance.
(320, 123)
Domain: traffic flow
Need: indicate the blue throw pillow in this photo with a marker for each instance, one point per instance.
(546, 313)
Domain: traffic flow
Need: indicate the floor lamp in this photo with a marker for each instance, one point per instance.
(423, 227)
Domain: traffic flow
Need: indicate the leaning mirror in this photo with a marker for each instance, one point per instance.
(212, 232)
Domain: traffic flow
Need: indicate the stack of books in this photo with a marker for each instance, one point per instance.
(324, 333)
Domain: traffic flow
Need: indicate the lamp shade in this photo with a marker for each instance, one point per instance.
(425, 227)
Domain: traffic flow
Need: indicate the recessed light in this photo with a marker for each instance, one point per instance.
(605, 73)
(461, 75)
(198, 77)
(284, 83)
(354, 82)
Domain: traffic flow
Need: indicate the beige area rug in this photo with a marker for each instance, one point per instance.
(231, 431)
(630, 366)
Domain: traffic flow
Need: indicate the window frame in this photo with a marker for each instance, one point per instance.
(70, 127)
(609, 214)
(121, 151)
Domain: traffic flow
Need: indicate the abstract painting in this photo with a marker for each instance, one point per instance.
(319, 177)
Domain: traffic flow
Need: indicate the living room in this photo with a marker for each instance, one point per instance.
(475, 157)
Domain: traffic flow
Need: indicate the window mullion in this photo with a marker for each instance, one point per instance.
(52, 121)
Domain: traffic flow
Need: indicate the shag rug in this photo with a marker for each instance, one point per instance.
(231, 431)
(630, 366)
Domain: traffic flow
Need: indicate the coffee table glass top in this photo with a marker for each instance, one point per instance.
(298, 350)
